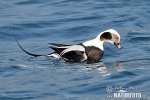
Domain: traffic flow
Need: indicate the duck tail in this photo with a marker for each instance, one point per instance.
(32, 54)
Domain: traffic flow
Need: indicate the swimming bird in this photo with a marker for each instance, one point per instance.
(90, 51)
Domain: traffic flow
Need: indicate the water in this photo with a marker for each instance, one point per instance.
(38, 22)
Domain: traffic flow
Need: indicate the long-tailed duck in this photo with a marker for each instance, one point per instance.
(90, 51)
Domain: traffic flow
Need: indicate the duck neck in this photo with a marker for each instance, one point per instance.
(94, 42)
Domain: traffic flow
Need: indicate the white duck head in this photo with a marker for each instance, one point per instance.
(110, 35)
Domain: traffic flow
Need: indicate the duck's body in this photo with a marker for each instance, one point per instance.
(90, 51)
(78, 52)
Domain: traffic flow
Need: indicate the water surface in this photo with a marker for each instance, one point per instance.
(37, 23)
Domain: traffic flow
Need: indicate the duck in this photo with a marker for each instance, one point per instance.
(90, 51)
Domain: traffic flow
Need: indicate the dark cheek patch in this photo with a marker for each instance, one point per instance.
(106, 35)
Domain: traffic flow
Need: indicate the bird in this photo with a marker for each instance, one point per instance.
(90, 51)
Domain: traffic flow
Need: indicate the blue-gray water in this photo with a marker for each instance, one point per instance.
(38, 22)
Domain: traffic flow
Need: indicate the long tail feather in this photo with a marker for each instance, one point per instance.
(35, 55)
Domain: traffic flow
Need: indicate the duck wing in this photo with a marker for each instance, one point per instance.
(58, 45)
(74, 53)
(58, 48)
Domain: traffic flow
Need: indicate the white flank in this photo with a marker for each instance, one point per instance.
(54, 55)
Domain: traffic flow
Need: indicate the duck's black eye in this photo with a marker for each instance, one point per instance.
(116, 37)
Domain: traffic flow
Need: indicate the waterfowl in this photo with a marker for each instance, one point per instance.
(90, 51)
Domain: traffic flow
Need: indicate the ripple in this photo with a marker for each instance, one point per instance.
(122, 75)
(37, 23)
(29, 2)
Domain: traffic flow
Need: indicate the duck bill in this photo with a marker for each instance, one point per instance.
(117, 45)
